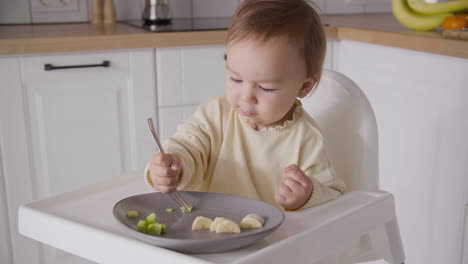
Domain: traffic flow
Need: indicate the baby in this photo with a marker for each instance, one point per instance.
(258, 142)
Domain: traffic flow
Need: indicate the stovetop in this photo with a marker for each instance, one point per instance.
(185, 24)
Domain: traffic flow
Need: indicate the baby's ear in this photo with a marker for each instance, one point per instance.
(307, 87)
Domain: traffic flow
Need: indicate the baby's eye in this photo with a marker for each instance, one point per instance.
(236, 80)
(266, 89)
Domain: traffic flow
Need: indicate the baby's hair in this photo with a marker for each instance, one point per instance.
(295, 19)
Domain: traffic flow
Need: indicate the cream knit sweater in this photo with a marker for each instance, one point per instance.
(221, 153)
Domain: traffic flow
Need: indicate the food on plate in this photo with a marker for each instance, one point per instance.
(154, 229)
(186, 209)
(225, 225)
(216, 222)
(132, 214)
(251, 221)
(228, 226)
(169, 210)
(201, 223)
(142, 226)
(151, 218)
(150, 226)
(219, 225)
(259, 218)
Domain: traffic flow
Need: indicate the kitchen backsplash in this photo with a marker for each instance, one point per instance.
(43, 11)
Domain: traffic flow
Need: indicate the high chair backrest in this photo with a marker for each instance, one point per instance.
(348, 124)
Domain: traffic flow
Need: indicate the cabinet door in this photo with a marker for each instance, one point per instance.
(419, 101)
(186, 77)
(86, 125)
(189, 75)
(171, 117)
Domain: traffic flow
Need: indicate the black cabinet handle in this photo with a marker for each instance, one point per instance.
(50, 67)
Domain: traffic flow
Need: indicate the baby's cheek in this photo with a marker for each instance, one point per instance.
(231, 99)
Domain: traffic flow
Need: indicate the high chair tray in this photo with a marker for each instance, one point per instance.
(81, 222)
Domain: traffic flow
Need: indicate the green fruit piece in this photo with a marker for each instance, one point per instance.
(413, 20)
(186, 209)
(142, 226)
(154, 229)
(422, 7)
(132, 214)
(169, 210)
(151, 218)
(163, 228)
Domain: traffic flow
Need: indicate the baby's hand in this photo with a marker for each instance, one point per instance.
(164, 171)
(295, 189)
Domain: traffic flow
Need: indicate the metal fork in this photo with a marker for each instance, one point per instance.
(176, 195)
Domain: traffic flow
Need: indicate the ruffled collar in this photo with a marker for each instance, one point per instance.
(279, 128)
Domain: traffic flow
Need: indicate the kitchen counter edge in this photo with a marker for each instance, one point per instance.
(57, 38)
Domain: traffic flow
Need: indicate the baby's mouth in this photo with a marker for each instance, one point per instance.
(247, 113)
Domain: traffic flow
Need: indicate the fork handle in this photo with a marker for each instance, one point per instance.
(155, 134)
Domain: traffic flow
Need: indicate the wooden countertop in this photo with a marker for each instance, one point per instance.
(380, 29)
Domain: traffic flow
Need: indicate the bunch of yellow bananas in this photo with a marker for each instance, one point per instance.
(419, 15)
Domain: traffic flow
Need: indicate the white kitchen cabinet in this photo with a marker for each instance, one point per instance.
(67, 128)
(186, 77)
(171, 117)
(419, 101)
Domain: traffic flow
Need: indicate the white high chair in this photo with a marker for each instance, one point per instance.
(347, 122)
(358, 226)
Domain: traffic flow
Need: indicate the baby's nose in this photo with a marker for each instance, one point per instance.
(248, 96)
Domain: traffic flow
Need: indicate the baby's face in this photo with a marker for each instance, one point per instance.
(264, 78)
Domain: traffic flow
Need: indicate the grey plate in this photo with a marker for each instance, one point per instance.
(180, 236)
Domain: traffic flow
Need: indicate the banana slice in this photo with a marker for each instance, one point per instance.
(259, 218)
(228, 226)
(215, 223)
(250, 222)
(201, 222)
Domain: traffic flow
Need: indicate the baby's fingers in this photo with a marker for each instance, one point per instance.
(160, 171)
(166, 181)
(280, 199)
(284, 190)
(176, 163)
(282, 193)
(297, 175)
(166, 189)
(293, 184)
(162, 159)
